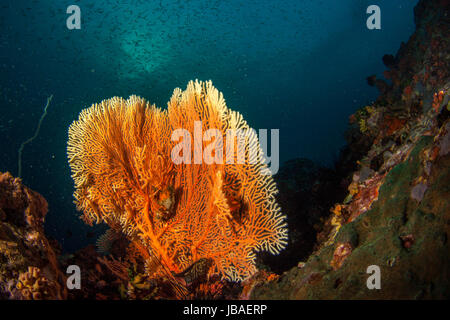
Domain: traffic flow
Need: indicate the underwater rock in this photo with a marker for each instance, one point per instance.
(389, 60)
(418, 191)
(98, 281)
(28, 263)
(307, 191)
(405, 238)
(397, 219)
(444, 145)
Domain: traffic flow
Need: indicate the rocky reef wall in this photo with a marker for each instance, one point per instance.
(396, 214)
(28, 260)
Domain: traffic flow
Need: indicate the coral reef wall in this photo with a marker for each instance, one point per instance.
(28, 264)
(396, 214)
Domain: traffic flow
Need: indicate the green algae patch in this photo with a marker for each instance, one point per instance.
(406, 238)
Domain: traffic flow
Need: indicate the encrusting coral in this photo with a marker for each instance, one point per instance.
(34, 286)
(120, 153)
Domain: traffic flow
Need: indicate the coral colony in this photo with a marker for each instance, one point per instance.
(216, 215)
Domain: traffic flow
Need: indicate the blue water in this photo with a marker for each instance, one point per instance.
(298, 66)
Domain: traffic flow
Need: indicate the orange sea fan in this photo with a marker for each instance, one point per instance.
(120, 155)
